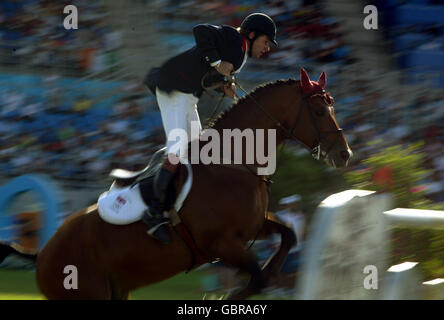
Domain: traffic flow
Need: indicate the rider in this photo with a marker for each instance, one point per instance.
(177, 86)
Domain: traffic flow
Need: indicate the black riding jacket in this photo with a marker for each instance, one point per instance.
(184, 72)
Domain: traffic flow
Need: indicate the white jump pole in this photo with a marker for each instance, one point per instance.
(410, 218)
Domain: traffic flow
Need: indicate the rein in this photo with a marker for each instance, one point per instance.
(213, 86)
(315, 151)
(209, 121)
(277, 122)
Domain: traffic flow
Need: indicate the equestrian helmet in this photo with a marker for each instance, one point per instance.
(262, 23)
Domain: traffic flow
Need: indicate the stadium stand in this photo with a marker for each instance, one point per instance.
(416, 30)
(81, 127)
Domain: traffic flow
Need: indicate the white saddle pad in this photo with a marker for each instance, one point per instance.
(125, 205)
(121, 206)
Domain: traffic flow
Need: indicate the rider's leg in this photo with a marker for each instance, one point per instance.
(154, 217)
(177, 109)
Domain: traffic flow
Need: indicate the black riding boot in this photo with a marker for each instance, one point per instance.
(154, 216)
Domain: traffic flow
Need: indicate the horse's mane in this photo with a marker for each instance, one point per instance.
(254, 93)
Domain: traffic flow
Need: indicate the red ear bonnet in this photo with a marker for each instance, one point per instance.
(310, 87)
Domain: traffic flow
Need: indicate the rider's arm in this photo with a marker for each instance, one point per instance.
(209, 40)
(207, 36)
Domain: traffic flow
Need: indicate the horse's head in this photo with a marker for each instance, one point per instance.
(315, 123)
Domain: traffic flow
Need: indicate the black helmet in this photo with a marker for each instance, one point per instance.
(262, 23)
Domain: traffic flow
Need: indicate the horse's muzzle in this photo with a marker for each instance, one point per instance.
(339, 158)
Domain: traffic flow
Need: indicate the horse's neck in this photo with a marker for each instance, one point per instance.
(248, 115)
(251, 121)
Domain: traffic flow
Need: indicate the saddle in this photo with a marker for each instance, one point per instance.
(174, 199)
(123, 178)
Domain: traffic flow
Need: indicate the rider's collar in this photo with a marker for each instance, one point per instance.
(244, 44)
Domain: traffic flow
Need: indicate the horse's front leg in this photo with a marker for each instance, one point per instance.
(288, 239)
(233, 253)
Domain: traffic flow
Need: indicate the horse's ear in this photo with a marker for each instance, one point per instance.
(322, 80)
(306, 84)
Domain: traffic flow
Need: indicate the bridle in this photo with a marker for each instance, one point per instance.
(315, 150)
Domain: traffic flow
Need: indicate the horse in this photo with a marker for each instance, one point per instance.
(225, 209)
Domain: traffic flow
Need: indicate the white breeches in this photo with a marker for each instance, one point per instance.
(178, 111)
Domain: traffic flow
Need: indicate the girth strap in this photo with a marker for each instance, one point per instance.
(197, 257)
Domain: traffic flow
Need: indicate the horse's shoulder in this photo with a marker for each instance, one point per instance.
(92, 209)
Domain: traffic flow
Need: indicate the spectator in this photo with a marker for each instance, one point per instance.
(31, 109)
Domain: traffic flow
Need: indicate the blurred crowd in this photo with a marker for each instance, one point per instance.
(426, 35)
(78, 140)
(32, 33)
(82, 139)
(306, 33)
(373, 121)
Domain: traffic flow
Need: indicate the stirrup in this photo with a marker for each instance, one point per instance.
(157, 228)
(152, 230)
(160, 232)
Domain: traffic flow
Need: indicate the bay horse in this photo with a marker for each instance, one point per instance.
(225, 208)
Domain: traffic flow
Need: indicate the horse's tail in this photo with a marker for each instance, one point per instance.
(8, 249)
